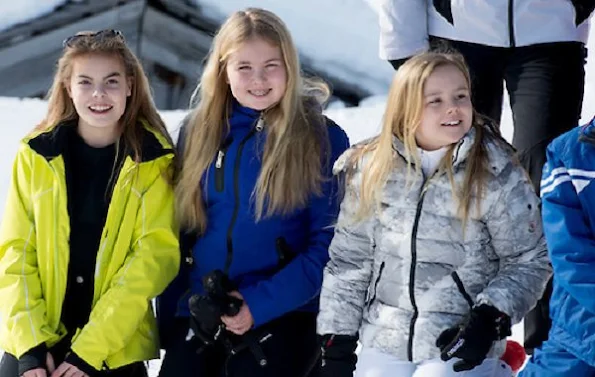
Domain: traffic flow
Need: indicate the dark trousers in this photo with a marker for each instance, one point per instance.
(290, 350)
(9, 367)
(545, 84)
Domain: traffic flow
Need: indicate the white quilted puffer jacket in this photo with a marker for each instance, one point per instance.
(404, 275)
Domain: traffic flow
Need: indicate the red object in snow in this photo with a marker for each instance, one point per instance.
(514, 355)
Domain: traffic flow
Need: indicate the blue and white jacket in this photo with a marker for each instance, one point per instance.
(247, 250)
(568, 200)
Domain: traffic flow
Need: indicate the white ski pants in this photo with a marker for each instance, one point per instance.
(374, 363)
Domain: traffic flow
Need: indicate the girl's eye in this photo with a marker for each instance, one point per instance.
(272, 65)
(244, 68)
(462, 96)
(84, 82)
(112, 82)
(435, 101)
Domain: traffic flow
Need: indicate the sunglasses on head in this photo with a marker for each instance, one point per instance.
(98, 36)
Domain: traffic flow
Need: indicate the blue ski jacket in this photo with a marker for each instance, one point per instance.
(251, 251)
(568, 206)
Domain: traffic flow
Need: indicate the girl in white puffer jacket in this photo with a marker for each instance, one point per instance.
(438, 246)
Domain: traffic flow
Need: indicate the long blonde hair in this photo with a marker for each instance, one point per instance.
(296, 131)
(402, 118)
(139, 104)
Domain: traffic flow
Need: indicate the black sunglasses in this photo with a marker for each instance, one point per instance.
(98, 36)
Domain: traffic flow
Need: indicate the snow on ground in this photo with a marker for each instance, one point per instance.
(16, 12)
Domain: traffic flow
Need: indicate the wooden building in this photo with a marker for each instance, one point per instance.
(171, 37)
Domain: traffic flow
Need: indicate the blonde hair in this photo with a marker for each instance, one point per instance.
(139, 105)
(402, 118)
(296, 130)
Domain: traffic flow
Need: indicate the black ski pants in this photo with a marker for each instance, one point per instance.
(290, 351)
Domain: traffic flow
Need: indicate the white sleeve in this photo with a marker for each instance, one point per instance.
(403, 28)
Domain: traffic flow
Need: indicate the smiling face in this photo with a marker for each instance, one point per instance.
(99, 88)
(256, 74)
(447, 111)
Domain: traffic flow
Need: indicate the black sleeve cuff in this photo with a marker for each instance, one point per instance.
(33, 359)
(82, 365)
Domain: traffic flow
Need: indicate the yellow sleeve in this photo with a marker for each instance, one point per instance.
(153, 261)
(23, 320)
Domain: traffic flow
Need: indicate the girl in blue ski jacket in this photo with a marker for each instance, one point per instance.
(256, 191)
(568, 206)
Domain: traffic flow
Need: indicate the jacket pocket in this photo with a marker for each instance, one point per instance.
(444, 8)
(461, 288)
(375, 286)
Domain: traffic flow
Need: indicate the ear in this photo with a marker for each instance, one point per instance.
(129, 87)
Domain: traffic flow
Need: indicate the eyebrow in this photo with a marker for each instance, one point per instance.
(113, 74)
(268, 61)
(456, 90)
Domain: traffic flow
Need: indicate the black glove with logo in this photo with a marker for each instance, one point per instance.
(472, 339)
(206, 310)
(338, 355)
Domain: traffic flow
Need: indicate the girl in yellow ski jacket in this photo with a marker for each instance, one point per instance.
(88, 235)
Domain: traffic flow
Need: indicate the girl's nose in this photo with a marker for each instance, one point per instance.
(452, 108)
(99, 91)
(260, 75)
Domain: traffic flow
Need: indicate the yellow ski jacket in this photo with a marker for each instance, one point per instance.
(138, 254)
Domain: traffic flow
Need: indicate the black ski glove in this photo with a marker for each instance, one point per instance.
(472, 339)
(338, 355)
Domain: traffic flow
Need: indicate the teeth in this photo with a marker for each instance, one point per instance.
(453, 123)
(260, 92)
(100, 108)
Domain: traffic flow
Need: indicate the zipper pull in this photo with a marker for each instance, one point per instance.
(260, 124)
(219, 161)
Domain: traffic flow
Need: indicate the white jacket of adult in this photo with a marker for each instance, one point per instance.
(406, 24)
(406, 274)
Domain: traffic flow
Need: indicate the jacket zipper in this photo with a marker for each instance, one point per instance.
(219, 165)
(56, 194)
(236, 191)
(412, 275)
(376, 284)
(511, 23)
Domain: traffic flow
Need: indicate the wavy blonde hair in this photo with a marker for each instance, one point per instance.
(296, 130)
(139, 105)
(402, 117)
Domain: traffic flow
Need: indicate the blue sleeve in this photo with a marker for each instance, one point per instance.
(300, 281)
(568, 233)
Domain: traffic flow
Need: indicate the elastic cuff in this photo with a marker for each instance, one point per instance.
(82, 365)
(33, 359)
